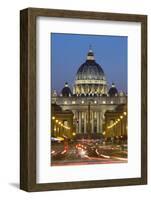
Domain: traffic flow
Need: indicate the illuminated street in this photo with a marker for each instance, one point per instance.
(88, 152)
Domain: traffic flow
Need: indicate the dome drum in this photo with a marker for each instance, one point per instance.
(92, 81)
(90, 88)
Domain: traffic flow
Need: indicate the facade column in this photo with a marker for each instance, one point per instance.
(92, 122)
(76, 117)
(101, 121)
(121, 131)
(123, 124)
(80, 122)
(85, 122)
(98, 120)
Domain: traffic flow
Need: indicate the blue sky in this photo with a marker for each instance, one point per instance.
(69, 51)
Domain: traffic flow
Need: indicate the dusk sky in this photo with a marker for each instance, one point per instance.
(69, 51)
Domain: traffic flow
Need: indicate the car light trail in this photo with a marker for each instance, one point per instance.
(63, 152)
(104, 156)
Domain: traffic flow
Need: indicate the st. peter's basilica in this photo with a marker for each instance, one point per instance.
(90, 108)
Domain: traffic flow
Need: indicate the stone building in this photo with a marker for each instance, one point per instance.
(61, 122)
(115, 125)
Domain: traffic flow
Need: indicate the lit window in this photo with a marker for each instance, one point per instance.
(104, 102)
(111, 102)
(65, 102)
(73, 102)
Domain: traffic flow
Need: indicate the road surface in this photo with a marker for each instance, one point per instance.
(87, 152)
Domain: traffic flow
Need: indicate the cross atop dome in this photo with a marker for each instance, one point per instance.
(90, 55)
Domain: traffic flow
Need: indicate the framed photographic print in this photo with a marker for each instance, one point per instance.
(83, 96)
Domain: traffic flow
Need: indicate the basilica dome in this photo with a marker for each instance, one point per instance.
(90, 78)
(113, 90)
(90, 70)
(66, 92)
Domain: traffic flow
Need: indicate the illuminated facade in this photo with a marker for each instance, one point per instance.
(89, 98)
(116, 122)
(61, 122)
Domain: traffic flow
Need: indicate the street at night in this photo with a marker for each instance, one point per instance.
(84, 152)
(88, 100)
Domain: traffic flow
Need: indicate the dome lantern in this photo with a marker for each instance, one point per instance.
(90, 55)
(66, 84)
